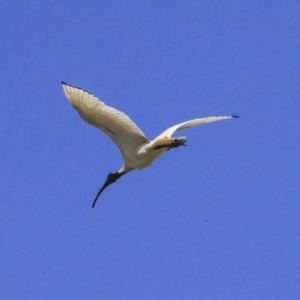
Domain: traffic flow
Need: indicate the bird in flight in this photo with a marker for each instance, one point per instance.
(138, 152)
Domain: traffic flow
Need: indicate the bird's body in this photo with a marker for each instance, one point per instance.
(145, 154)
(138, 152)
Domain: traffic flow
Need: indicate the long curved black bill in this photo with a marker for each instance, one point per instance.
(111, 178)
(101, 190)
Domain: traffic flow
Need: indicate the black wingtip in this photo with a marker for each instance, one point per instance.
(62, 82)
(235, 116)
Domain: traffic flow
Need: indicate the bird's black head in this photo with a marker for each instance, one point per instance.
(111, 178)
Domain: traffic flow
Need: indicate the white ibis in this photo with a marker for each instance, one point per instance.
(138, 152)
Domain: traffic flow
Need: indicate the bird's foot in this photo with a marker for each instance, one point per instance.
(181, 141)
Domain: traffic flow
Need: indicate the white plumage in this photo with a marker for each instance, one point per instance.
(137, 151)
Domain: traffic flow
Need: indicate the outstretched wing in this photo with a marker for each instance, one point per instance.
(118, 126)
(168, 133)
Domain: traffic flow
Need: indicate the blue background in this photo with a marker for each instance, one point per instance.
(218, 219)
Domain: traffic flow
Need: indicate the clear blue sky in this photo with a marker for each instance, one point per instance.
(218, 219)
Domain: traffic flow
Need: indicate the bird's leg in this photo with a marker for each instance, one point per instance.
(169, 143)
